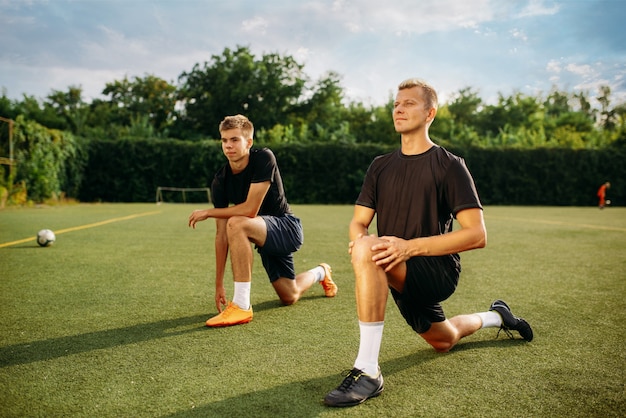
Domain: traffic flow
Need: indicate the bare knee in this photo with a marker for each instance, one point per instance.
(286, 291)
(441, 346)
(287, 297)
(362, 250)
(287, 300)
(236, 224)
(442, 336)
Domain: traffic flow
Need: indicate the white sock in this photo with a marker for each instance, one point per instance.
(319, 273)
(242, 295)
(490, 319)
(369, 347)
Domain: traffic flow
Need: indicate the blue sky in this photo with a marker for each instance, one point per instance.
(492, 46)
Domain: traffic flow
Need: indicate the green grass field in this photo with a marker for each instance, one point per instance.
(109, 321)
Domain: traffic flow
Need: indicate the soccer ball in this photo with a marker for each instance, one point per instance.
(45, 238)
(608, 202)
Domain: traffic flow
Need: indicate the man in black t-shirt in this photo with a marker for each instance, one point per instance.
(250, 207)
(415, 193)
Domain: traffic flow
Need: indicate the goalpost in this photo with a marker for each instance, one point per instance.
(182, 193)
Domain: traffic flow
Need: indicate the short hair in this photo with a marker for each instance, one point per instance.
(238, 122)
(429, 94)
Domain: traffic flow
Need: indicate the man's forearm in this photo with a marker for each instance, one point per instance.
(221, 255)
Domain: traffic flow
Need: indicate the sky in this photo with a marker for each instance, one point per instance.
(490, 46)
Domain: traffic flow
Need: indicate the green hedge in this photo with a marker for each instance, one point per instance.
(554, 177)
(131, 171)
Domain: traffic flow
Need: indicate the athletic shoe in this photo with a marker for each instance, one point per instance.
(356, 388)
(232, 315)
(330, 288)
(511, 322)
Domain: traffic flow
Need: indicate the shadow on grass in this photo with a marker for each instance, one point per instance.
(65, 346)
(305, 398)
(295, 399)
(501, 342)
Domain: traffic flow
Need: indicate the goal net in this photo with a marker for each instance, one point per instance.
(183, 195)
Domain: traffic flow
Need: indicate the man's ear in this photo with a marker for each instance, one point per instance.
(432, 113)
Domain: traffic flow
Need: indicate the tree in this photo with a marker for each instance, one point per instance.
(32, 109)
(556, 104)
(465, 106)
(568, 119)
(149, 100)
(6, 106)
(456, 121)
(372, 124)
(265, 90)
(70, 107)
(49, 161)
(323, 113)
(608, 117)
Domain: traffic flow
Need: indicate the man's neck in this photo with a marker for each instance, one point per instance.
(416, 143)
(238, 166)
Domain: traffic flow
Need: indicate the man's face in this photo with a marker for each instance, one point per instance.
(409, 111)
(235, 145)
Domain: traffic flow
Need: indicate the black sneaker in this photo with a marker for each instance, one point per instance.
(356, 388)
(511, 322)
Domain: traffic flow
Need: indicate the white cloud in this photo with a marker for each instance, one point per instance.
(490, 45)
(555, 79)
(28, 80)
(518, 34)
(588, 77)
(553, 66)
(584, 70)
(257, 25)
(538, 8)
(404, 16)
(302, 53)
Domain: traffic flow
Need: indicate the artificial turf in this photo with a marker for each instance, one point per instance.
(109, 321)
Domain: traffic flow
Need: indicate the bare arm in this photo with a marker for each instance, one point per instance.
(472, 234)
(249, 208)
(221, 254)
(361, 220)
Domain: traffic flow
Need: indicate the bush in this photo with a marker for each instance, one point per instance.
(50, 162)
(332, 173)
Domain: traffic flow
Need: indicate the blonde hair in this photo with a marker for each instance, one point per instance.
(238, 122)
(429, 94)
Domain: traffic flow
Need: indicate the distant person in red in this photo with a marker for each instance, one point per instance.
(602, 194)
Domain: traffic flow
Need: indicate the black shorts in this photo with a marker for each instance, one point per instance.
(284, 237)
(429, 281)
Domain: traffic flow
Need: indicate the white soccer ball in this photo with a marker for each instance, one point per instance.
(608, 202)
(45, 237)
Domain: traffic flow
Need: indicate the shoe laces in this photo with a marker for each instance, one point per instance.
(506, 331)
(229, 309)
(352, 376)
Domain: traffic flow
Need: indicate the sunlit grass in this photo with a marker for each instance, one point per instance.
(109, 321)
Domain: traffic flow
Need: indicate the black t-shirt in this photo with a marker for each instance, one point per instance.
(417, 195)
(232, 188)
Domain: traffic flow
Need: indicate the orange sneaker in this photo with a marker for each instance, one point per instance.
(330, 288)
(232, 315)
